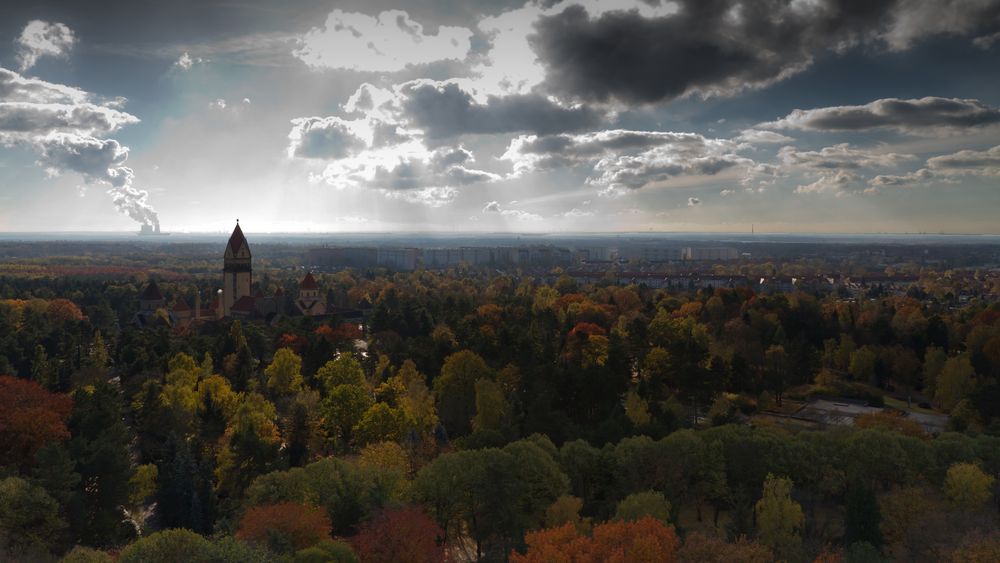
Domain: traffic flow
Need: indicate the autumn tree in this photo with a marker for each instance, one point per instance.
(890, 420)
(701, 548)
(402, 534)
(646, 540)
(30, 418)
(284, 527)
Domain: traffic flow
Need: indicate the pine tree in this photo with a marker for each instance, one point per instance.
(176, 485)
(863, 517)
(99, 447)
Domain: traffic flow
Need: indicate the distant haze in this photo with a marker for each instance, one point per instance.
(500, 117)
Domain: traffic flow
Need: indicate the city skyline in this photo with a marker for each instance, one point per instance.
(575, 116)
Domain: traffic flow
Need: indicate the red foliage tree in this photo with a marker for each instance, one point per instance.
(295, 342)
(63, 310)
(344, 332)
(285, 526)
(404, 534)
(30, 417)
(646, 540)
(589, 329)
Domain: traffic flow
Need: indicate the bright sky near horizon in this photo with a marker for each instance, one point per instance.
(487, 115)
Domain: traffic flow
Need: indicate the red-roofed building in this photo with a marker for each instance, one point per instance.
(151, 298)
(244, 307)
(181, 311)
(311, 301)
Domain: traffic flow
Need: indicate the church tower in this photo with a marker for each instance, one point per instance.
(236, 273)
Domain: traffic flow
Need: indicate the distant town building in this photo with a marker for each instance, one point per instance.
(718, 254)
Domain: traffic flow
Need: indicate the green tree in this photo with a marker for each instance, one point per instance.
(779, 518)
(967, 486)
(646, 503)
(862, 515)
(862, 367)
(636, 409)
(251, 447)
(334, 484)
(955, 382)
(343, 409)
(344, 370)
(29, 520)
(99, 447)
(417, 401)
(934, 360)
(326, 552)
(284, 375)
(380, 423)
(169, 545)
(493, 495)
(55, 471)
(42, 370)
(81, 554)
(455, 390)
(492, 408)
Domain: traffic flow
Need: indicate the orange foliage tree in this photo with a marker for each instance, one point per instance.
(30, 417)
(285, 526)
(709, 549)
(890, 420)
(646, 540)
(403, 534)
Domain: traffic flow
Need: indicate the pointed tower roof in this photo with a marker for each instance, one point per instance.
(237, 240)
(151, 293)
(308, 282)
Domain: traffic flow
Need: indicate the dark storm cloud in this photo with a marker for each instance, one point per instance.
(928, 113)
(723, 46)
(445, 109)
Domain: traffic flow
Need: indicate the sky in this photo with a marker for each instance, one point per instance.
(827, 116)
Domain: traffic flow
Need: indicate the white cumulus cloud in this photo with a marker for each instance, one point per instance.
(388, 42)
(43, 39)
